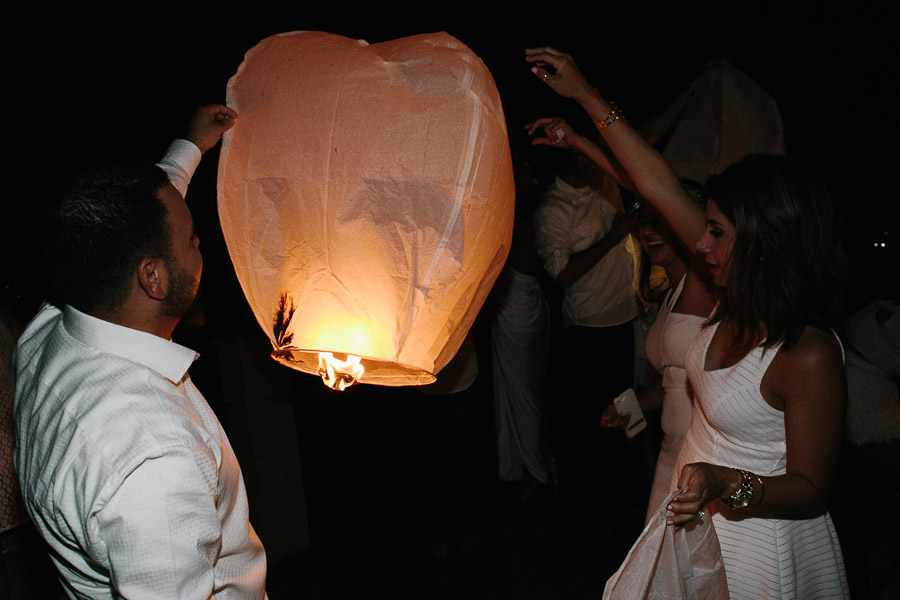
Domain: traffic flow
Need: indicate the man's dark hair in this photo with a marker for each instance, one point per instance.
(97, 232)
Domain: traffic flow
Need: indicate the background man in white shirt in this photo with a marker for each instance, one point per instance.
(124, 468)
(580, 234)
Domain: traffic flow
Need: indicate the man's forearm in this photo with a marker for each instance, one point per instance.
(179, 162)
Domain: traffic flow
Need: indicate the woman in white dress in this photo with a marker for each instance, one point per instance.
(766, 373)
(683, 310)
(681, 314)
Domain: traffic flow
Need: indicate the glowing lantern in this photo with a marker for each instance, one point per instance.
(366, 197)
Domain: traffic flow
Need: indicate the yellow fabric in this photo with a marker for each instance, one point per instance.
(658, 279)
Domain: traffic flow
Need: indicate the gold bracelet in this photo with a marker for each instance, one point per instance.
(615, 113)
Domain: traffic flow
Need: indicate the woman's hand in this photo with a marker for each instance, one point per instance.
(700, 484)
(612, 419)
(559, 133)
(559, 71)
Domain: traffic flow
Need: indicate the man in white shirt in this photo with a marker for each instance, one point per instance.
(580, 235)
(124, 468)
(581, 238)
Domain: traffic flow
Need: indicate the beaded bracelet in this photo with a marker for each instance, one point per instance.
(615, 113)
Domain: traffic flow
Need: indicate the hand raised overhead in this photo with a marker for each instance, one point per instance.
(559, 71)
(208, 124)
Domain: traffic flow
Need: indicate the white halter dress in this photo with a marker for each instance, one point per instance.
(734, 426)
(668, 341)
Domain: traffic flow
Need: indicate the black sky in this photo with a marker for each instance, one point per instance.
(89, 83)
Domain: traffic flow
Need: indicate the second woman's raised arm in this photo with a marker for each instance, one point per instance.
(652, 176)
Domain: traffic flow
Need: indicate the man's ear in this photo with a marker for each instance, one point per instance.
(152, 277)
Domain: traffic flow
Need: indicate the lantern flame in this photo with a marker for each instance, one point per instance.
(339, 374)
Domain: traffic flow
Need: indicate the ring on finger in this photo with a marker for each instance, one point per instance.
(700, 513)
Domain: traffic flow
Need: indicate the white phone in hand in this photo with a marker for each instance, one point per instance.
(627, 402)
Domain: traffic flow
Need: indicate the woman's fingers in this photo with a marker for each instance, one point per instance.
(545, 54)
(554, 128)
(684, 508)
(547, 62)
(539, 123)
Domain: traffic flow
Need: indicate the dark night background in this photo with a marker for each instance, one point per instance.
(86, 84)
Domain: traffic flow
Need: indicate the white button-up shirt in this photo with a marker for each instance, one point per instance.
(569, 220)
(125, 469)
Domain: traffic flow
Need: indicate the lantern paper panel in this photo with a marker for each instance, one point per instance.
(366, 197)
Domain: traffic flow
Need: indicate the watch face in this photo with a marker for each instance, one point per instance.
(742, 497)
(742, 501)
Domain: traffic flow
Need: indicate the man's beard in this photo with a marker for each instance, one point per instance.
(181, 294)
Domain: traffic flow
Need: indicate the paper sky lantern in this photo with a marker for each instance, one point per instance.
(366, 197)
(727, 117)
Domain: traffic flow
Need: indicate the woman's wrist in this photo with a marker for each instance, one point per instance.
(731, 484)
(615, 114)
(578, 142)
(602, 112)
(759, 493)
(749, 490)
(594, 104)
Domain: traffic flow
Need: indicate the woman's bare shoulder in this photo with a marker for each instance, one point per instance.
(812, 367)
(815, 348)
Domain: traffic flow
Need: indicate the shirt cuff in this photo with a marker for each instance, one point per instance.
(180, 162)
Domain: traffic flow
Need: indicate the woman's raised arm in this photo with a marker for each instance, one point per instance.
(653, 177)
